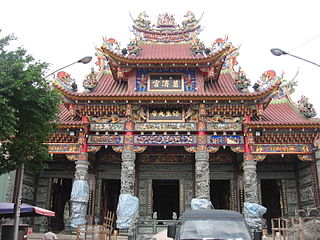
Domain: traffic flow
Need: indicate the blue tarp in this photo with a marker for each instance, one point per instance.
(199, 203)
(253, 213)
(127, 210)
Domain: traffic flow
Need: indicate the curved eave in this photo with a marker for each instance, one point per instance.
(286, 125)
(190, 60)
(167, 96)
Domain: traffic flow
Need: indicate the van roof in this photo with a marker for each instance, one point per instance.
(212, 213)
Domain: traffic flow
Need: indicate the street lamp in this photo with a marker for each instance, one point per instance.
(20, 168)
(279, 52)
(83, 60)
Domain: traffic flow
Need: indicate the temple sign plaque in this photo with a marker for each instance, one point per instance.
(166, 82)
(165, 115)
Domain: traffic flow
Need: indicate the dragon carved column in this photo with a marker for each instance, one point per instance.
(249, 169)
(202, 172)
(80, 188)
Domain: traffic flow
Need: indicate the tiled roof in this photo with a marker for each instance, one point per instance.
(64, 117)
(166, 51)
(169, 52)
(283, 113)
(109, 88)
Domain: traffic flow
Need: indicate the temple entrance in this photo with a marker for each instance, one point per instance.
(61, 190)
(110, 195)
(270, 191)
(165, 198)
(220, 194)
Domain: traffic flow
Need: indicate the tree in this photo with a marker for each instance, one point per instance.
(28, 109)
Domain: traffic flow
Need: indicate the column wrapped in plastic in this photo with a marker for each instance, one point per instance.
(127, 211)
(79, 199)
(199, 203)
(253, 213)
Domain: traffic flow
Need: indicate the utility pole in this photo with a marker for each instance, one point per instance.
(17, 200)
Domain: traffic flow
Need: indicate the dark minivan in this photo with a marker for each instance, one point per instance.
(210, 224)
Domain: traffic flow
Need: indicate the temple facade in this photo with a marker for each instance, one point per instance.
(168, 119)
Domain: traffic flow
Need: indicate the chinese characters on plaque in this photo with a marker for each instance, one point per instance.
(165, 115)
(165, 82)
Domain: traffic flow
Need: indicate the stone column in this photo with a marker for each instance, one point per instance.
(80, 192)
(250, 185)
(128, 172)
(317, 158)
(202, 175)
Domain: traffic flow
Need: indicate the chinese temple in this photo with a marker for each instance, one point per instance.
(168, 119)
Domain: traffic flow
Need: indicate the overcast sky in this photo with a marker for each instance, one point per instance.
(62, 31)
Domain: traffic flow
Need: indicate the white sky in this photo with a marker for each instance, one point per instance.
(62, 31)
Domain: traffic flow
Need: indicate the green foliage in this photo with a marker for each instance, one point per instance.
(28, 107)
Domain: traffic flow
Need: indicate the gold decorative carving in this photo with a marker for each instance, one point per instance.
(237, 149)
(137, 149)
(118, 149)
(72, 157)
(305, 157)
(213, 149)
(190, 149)
(259, 157)
(93, 148)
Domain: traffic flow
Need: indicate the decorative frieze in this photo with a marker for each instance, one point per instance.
(282, 148)
(107, 127)
(105, 139)
(137, 149)
(225, 140)
(165, 139)
(168, 158)
(177, 127)
(63, 148)
(225, 127)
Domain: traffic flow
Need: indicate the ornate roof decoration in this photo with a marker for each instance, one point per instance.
(241, 81)
(64, 80)
(166, 30)
(286, 88)
(306, 108)
(91, 80)
(266, 80)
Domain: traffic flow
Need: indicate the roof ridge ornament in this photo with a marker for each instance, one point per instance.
(306, 108)
(166, 30)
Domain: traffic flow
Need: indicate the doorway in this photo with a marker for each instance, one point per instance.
(110, 195)
(61, 190)
(165, 198)
(220, 194)
(270, 193)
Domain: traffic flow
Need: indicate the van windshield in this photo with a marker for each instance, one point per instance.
(230, 229)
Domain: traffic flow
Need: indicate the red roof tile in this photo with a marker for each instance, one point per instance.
(64, 117)
(166, 51)
(283, 113)
(108, 87)
(169, 52)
